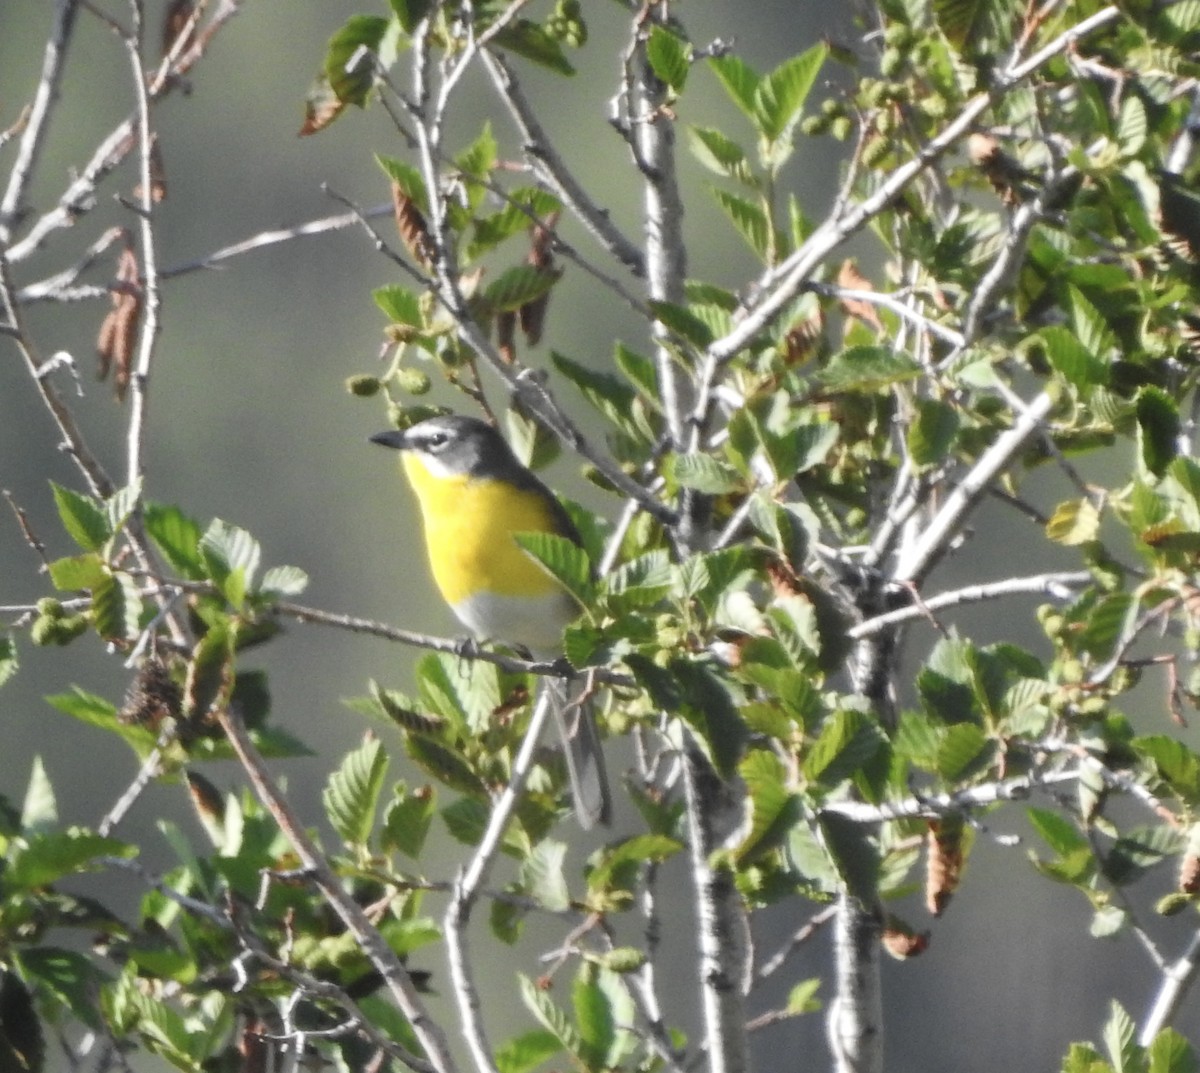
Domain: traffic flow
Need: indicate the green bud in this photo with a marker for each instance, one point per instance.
(363, 385)
(1170, 904)
(832, 107)
(414, 381)
(841, 128)
(814, 125)
(50, 607)
(897, 35)
(1071, 671)
(891, 62)
(44, 630)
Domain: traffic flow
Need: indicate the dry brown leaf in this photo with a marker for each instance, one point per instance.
(851, 279)
(944, 861)
(414, 232)
(117, 338)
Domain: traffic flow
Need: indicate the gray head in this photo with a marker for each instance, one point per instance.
(455, 445)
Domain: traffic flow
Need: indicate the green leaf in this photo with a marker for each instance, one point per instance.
(931, 436)
(702, 472)
(710, 710)
(352, 793)
(962, 21)
(1120, 1040)
(410, 12)
(399, 305)
(117, 607)
(8, 658)
(668, 57)
(774, 810)
(84, 518)
(854, 854)
(1176, 763)
(803, 997)
(748, 219)
(720, 154)
(524, 1053)
(564, 560)
(43, 859)
(68, 975)
(1060, 834)
(1170, 1052)
(22, 1042)
(39, 813)
(407, 820)
(555, 1021)
(177, 537)
(1158, 428)
(231, 557)
(78, 572)
(610, 395)
(740, 82)
(530, 40)
(847, 741)
(869, 369)
(682, 322)
(466, 819)
(354, 85)
(519, 286)
(1071, 359)
(1082, 1058)
(780, 95)
(594, 1016)
(408, 178)
(1075, 522)
(963, 746)
(283, 581)
(542, 875)
(1132, 126)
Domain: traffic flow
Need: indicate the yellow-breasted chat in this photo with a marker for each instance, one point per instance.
(474, 495)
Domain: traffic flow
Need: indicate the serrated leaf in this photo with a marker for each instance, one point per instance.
(410, 12)
(43, 859)
(1120, 1040)
(961, 747)
(668, 57)
(1132, 125)
(555, 1021)
(855, 855)
(1169, 1052)
(519, 286)
(869, 369)
(1071, 359)
(68, 975)
(524, 1053)
(407, 820)
(594, 1016)
(116, 607)
(530, 40)
(8, 658)
(774, 809)
(231, 557)
(77, 572)
(87, 707)
(399, 305)
(611, 396)
(352, 792)
(931, 436)
(846, 742)
(177, 537)
(351, 84)
(466, 819)
(709, 709)
(720, 154)
(1158, 428)
(739, 80)
(564, 560)
(84, 518)
(283, 581)
(701, 472)
(780, 95)
(1075, 522)
(682, 322)
(408, 178)
(1059, 834)
(748, 219)
(39, 812)
(542, 875)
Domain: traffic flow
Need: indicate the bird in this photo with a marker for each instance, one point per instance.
(474, 495)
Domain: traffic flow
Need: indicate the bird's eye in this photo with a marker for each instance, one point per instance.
(436, 440)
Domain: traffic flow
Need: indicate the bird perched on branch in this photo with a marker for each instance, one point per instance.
(474, 496)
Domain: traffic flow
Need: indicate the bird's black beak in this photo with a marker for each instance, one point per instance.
(392, 438)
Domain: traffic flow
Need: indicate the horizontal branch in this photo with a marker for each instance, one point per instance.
(1058, 585)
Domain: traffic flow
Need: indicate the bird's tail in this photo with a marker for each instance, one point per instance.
(576, 720)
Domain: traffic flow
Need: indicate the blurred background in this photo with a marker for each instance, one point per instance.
(249, 421)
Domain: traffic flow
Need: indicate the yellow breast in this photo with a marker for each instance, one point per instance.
(469, 526)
